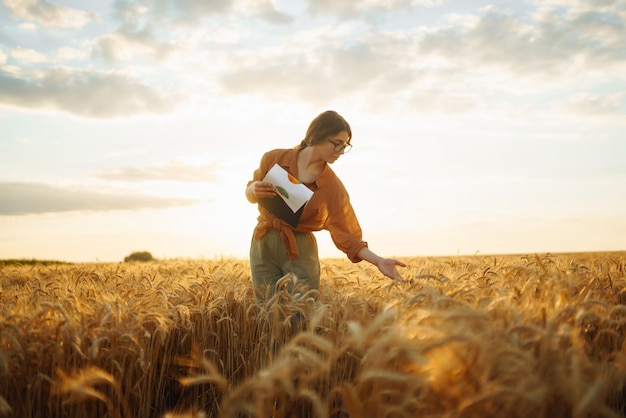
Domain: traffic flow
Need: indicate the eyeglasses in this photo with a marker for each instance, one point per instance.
(340, 147)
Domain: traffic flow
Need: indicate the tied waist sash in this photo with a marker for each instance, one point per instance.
(286, 234)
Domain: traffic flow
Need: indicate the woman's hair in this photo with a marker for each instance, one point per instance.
(325, 125)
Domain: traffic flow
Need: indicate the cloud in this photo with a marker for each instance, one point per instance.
(432, 67)
(494, 40)
(266, 11)
(86, 93)
(156, 29)
(174, 171)
(190, 12)
(446, 65)
(36, 198)
(598, 104)
(353, 9)
(27, 56)
(325, 70)
(578, 6)
(71, 54)
(382, 70)
(48, 15)
(126, 45)
(545, 47)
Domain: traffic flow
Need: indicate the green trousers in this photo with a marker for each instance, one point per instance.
(269, 263)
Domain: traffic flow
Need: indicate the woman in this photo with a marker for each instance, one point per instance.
(278, 248)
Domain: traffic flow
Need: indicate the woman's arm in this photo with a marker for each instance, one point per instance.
(387, 266)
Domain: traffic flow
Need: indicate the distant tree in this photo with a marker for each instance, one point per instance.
(139, 256)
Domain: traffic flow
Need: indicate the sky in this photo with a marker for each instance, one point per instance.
(478, 127)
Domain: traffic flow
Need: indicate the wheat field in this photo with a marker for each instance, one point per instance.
(536, 335)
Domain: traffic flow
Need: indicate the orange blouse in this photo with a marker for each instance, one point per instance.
(329, 208)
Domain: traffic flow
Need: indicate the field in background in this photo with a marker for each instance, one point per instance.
(480, 336)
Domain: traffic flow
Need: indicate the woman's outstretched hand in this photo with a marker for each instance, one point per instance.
(388, 267)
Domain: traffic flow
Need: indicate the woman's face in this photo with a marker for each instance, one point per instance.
(334, 146)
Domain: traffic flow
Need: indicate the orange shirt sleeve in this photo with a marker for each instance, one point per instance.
(343, 224)
(267, 161)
